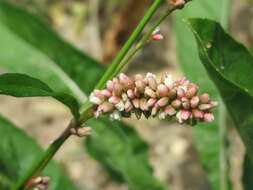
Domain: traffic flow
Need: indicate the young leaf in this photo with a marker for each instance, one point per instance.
(121, 151)
(20, 85)
(29, 46)
(17, 152)
(229, 65)
(205, 135)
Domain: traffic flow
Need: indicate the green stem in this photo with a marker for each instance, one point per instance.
(144, 40)
(131, 40)
(42, 162)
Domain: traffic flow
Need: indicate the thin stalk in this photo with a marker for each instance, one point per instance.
(144, 40)
(131, 40)
(41, 163)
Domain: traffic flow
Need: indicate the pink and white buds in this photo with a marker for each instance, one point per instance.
(146, 96)
(156, 35)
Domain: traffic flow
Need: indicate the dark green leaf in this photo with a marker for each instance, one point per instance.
(29, 46)
(230, 65)
(20, 85)
(247, 173)
(122, 151)
(205, 135)
(17, 152)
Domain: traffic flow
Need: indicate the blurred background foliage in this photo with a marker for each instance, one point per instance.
(116, 156)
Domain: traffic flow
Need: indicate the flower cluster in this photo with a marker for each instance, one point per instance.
(166, 99)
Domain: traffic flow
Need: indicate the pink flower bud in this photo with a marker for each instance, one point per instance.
(185, 114)
(126, 81)
(208, 117)
(140, 85)
(162, 102)
(151, 102)
(162, 90)
(46, 179)
(139, 77)
(178, 3)
(117, 89)
(185, 103)
(114, 100)
(157, 37)
(106, 107)
(154, 110)
(213, 104)
(205, 107)
(136, 103)
(143, 104)
(194, 101)
(192, 91)
(115, 80)
(130, 93)
(176, 103)
(197, 114)
(204, 98)
(172, 93)
(149, 92)
(106, 93)
(152, 83)
(169, 110)
(128, 106)
(180, 92)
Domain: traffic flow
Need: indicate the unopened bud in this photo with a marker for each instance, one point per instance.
(162, 102)
(194, 101)
(163, 90)
(114, 100)
(149, 92)
(176, 103)
(151, 102)
(197, 114)
(208, 117)
(136, 103)
(130, 93)
(180, 92)
(204, 98)
(204, 107)
(169, 110)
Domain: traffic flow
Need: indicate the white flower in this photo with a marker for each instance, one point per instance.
(168, 81)
(115, 115)
(120, 106)
(151, 75)
(95, 100)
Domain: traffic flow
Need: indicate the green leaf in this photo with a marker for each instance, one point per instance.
(122, 151)
(20, 85)
(229, 65)
(18, 151)
(205, 135)
(29, 46)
